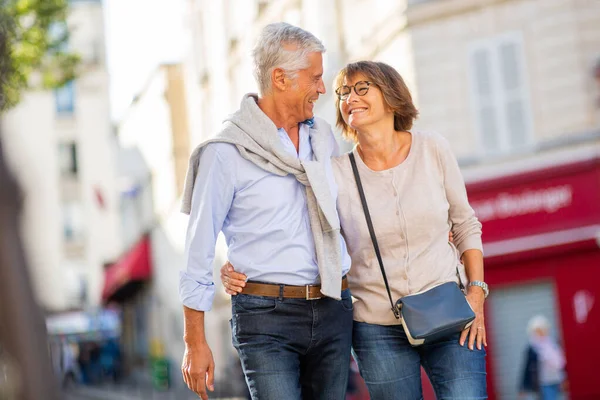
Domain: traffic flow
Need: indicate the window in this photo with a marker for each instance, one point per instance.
(58, 31)
(68, 159)
(499, 93)
(73, 222)
(65, 99)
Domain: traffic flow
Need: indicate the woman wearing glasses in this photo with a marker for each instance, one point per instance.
(416, 194)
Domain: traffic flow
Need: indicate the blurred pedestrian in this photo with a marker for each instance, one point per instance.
(543, 371)
(110, 359)
(83, 360)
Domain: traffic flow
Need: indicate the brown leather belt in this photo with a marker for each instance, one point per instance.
(307, 292)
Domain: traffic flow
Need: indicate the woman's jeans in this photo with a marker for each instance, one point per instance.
(391, 369)
(293, 349)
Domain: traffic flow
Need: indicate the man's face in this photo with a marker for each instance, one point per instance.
(305, 90)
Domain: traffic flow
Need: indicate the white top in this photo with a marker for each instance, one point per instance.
(413, 206)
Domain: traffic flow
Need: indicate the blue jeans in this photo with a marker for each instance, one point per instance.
(550, 392)
(391, 369)
(293, 349)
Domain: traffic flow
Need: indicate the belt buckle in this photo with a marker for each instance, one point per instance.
(307, 288)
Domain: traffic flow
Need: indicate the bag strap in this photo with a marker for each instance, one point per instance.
(372, 231)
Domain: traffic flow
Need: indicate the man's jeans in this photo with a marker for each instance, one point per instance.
(391, 369)
(293, 349)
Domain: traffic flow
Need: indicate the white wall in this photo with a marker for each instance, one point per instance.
(558, 52)
(98, 175)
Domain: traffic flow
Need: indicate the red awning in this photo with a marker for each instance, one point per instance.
(135, 265)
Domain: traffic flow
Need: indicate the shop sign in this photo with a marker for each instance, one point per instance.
(516, 208)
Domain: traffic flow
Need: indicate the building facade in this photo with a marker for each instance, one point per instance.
(61, 147)
(511, 85)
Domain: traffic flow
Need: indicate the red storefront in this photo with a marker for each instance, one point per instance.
(541, 232)
(127, 286)
(123, 278)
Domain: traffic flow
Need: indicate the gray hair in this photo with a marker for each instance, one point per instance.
(270, 52)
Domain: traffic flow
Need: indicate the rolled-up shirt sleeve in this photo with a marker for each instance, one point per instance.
(211, 201)
(466, 228)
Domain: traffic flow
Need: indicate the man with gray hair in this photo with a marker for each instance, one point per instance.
(265, 180)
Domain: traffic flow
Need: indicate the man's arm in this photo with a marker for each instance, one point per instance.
(198, 366)
(211, 200)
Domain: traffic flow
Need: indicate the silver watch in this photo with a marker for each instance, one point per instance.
(483, 285)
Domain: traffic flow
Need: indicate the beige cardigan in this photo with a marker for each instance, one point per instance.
(413, 207)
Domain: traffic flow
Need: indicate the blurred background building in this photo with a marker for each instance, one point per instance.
(513, 84)
(61, 147)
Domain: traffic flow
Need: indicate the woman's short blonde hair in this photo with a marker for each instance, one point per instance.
(395, 94)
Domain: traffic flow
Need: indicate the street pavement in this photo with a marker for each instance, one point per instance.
(129, 393)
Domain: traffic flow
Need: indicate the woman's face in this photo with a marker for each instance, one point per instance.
(363, 111)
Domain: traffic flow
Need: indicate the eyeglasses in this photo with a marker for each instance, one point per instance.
(360, 88)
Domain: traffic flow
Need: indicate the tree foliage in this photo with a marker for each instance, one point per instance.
(34, 35)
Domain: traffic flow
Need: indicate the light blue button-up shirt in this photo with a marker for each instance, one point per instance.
(263, 216)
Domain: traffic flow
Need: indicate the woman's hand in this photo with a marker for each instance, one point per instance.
(476, 332)
(233, 282)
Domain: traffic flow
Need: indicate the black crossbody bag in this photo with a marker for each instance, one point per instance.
(429, 315)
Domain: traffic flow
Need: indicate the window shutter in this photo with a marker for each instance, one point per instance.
(483, 98)
(514, 93)
(499, 93)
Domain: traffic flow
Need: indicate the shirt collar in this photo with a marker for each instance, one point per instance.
(310, 122)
